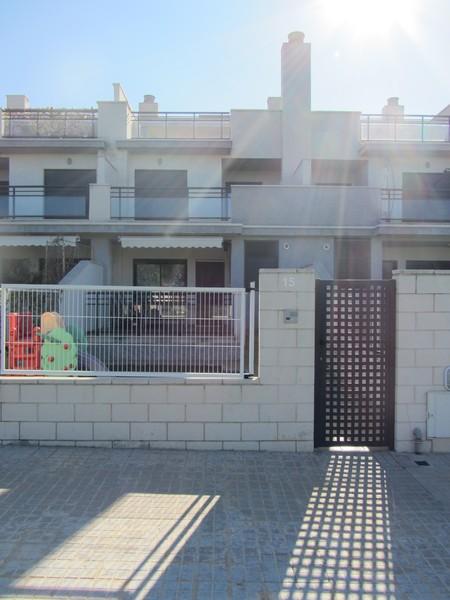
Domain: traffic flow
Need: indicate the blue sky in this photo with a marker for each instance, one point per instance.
(216, 55)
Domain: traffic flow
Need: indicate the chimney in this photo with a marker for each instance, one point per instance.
(274, 103)
(17, 102)
(296, 113)
(149, 104)
(119, 94)
(296, 71)
(393, 108)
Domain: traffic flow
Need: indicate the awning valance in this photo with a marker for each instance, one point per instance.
(38, 240)
(171, 242)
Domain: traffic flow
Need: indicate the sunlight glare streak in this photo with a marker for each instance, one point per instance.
(371, 18)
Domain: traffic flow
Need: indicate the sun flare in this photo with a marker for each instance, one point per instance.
(371, 18)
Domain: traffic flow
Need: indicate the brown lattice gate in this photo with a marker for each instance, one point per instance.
(355, 363)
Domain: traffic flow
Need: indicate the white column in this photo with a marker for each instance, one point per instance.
(237, 261)
(376, 258)
(99, 202)
(101, 254)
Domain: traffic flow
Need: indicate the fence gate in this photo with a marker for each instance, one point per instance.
(355, 363)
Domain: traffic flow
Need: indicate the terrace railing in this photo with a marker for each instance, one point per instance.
(396, 205)
(181, 125)
(405, 128)
(49, 123)
(142, 331)
(152, 204)
(391, 203)
(43, 202)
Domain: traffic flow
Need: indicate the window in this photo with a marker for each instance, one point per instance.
(67, 192)
(426, 186)
(161, 194)
(160, 273)
(443, 265)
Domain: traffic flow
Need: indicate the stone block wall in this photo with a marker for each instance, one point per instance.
(423, 349)
(274, 412)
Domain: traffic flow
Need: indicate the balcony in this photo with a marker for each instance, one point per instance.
(43, 202)
(150, 204)
(180, 126)
(305, 206)
(405, 128)
(395, 207)
(48, 123)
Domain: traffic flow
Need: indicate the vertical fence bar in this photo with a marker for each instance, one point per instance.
(242, 334)
(251, 330)
(3, 328)
(13, 201)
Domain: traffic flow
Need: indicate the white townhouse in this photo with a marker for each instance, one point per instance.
(145, 197)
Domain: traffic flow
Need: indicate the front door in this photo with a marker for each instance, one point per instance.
(209, 274)
(355, 363)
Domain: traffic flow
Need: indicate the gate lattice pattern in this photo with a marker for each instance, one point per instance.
(355, 329)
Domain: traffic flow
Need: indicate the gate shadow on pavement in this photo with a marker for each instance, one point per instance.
(131, 524)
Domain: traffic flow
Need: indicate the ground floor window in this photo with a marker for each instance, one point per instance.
(160, 273)
(443, 265)
(36, 271)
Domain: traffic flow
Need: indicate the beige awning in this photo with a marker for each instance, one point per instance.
(171, 242)
(38, 240)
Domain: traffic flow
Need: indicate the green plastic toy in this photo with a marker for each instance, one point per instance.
(59, 352)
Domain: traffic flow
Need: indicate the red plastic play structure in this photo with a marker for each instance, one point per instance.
(24, 342)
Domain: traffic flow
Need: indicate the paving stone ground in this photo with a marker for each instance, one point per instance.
(130, 524)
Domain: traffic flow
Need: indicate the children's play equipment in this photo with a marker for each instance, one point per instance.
(59, 351)
(24, 342)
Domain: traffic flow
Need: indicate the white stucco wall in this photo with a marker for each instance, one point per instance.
(256, 133)
(202, 170)
(423, 349)
(28, 169)
(387, 171)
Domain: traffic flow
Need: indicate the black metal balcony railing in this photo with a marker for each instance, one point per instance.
(192, 203)
(43, 202)
(405, 128)
(49, 123)
(181, 125)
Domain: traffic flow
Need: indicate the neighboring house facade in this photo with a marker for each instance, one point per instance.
(207, 199)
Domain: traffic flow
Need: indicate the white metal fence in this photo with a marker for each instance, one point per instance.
(142, 331)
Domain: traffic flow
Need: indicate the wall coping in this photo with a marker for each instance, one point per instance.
(48, 380)
(412, 272)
